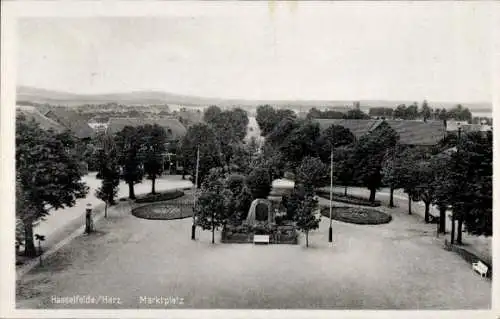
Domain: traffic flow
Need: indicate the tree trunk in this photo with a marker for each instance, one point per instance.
(307, 239)
(409, 205)
(442, 220)
(372, 194)
(452, 240)
(459, 231)
(106, 209)
(131, 194)
(29, 243)
(153, 180)
(345, 190)
(213, 233)
(391, 198)
(426, 216)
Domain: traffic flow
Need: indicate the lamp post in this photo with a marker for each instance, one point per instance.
(193, 227)
(89, 227)
(330, 233)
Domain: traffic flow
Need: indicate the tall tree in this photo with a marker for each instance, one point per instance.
(312, 173)
(154, 139)
(109, 171)
(333, 137)
(129, 143)
(48, 173)
(259, 182)
(356, 114)
(301, 142)
(369, 154)
(305, 220)
(426, 111)
(202, 136)
(211, 114)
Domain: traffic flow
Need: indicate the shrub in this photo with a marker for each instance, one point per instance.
(158, 197)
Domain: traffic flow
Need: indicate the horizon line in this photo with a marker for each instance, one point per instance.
(490, 103)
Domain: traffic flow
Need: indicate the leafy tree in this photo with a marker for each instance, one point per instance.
(109, 171)
(281, 131)
(212, 207)
(412, 111)
(301, 142)
(392, 169)
(211, 114)
(129, 142)
(343, 166)
(240, 157)
(202, 136)
(312, 173)
(259, 182)
(267, 118)
(305, 220)
(154, 139)
(472, 176)
(356, 115)
(333, 137)
(426, 111)
(441, 164)
(369, 154)
(48, 174)
(400, 112)
(385, 112)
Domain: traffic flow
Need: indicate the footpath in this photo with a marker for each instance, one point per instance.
(479, 246)
(63, 225)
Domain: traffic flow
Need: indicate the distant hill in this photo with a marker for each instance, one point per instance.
(27, 95)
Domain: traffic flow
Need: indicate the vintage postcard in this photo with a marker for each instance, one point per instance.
(243, 159)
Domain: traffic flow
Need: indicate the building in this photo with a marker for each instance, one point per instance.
(416, 133)
(72, 121)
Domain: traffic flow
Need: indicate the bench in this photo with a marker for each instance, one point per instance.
(261, 239)
(481, 268)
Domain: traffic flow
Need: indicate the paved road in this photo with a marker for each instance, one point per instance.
(393, 266)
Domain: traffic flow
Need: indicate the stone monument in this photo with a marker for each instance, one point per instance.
(260, 212)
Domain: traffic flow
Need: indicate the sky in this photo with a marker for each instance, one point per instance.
(275, 50)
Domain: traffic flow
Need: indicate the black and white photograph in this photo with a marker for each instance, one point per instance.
(250, 156)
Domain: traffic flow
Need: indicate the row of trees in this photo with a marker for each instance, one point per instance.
(432, 175)
(49, 168)
(424, 111)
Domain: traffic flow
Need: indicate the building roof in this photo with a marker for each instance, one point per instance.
(419, 132)
(410, 132)
(72, 121)
(171, 125)
(31, 113)
(357, 127)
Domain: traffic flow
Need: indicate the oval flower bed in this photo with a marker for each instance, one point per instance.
(355, 215)
(160, 196)
(349, 199)
(172, 209)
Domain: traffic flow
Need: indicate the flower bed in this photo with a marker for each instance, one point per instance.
(354, 215)
(163, 211)
(349, 199)
(158, 197)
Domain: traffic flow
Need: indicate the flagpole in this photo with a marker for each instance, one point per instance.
(193, 228)
(330, 233)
